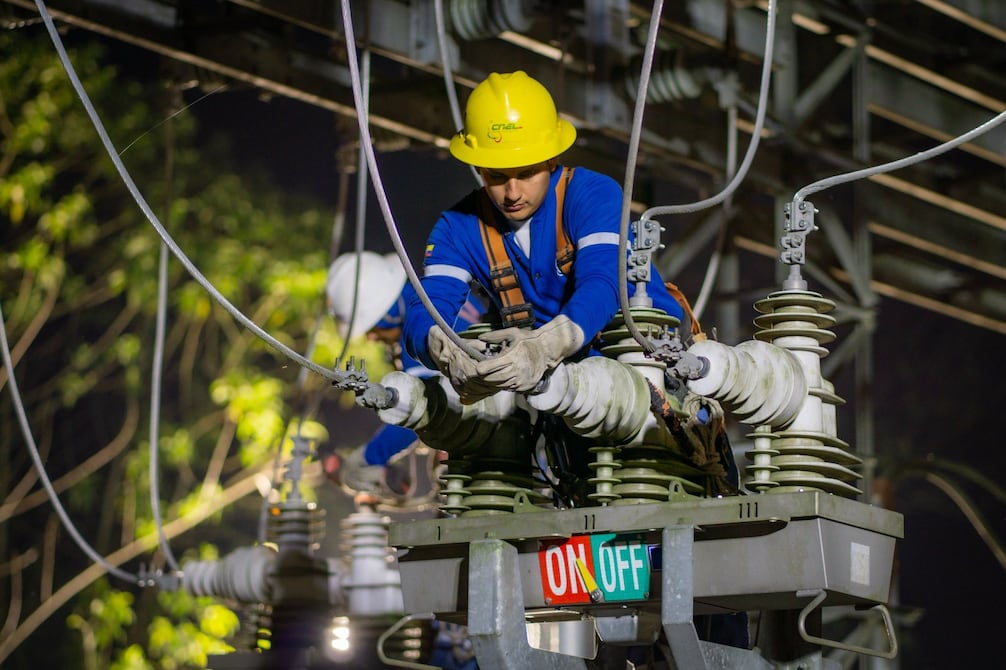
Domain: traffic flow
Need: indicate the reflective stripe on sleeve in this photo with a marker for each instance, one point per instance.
(597, 238)
(451, 271)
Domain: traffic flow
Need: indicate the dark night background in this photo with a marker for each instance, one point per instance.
(938, 382)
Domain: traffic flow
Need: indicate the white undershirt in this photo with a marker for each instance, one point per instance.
(522, 235)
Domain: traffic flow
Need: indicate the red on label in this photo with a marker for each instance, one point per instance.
(561, 582)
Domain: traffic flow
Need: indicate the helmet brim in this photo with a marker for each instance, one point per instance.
(484, 157)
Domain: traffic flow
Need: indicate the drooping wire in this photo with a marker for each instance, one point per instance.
(690, 207)
(900, 163)
(630, 168)
(43, 475)
(152, 218)
(155, 404)
(967, 508)
(158, 363)
(171, 116)
(713, 268)
(967, 472)
(361, 206)
(766, 77)
(445, 65)
(382, 198)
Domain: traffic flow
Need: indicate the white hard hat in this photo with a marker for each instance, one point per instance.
(381, 282)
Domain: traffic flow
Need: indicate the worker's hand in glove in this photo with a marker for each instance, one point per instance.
(352, 471)
(458, 366)
(527, 355)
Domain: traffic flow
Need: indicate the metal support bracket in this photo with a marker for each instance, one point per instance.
(496, 613)
(400, 663)
(676, 610)
(819, 598)
(676, 598)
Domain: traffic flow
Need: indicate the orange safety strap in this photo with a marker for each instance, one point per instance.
(515, 311)
(696, 328)
(564, 249)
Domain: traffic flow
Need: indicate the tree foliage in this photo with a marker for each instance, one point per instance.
(79, 294)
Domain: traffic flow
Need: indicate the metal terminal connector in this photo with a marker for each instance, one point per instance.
(147, 577)
(799, 223)
(376, 396)
(690, 367)
(352, 379)
(647, 240)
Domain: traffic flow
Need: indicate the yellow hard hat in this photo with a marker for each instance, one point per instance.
(510, 121)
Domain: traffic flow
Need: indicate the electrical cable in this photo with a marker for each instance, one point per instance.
(359, 237)
(127, 179)
(382, 197)
(695, 206)
(966, 507)
(155, 404)
(712, 270)
(171, 116)
(630, 170)
(766, 76)
(361, 207)
(157, 367)
(961, 470)
(900, 163)
(445, 65)
(43, 475)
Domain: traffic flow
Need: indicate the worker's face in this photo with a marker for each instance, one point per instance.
(518, 192)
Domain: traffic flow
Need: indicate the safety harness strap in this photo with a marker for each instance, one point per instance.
(564, 249)
(696, 328)
(516, 311)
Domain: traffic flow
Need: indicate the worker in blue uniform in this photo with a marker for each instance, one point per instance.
(514, 136)
(363, 293)
(543, 241)
(379, 313)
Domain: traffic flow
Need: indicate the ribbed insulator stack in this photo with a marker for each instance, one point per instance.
(452, 489)
(488, 443)
(670, 81)
(241, 576)
(375, 585)
(499, 470)
(650, 466)
(496, 491)
(295, 525)
(479, 19)
(254, 631)
(604, 480)
(650, 474)
(806, 454)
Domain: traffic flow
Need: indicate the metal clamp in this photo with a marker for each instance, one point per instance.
(799, 223)
(813, 639)
(647, 240)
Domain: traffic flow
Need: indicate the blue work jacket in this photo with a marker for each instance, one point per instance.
(455, 256)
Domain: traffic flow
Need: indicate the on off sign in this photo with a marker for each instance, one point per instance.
(613, 567)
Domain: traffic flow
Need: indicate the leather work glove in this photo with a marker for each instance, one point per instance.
(457, 366)
(352, 471)
(528, 354)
